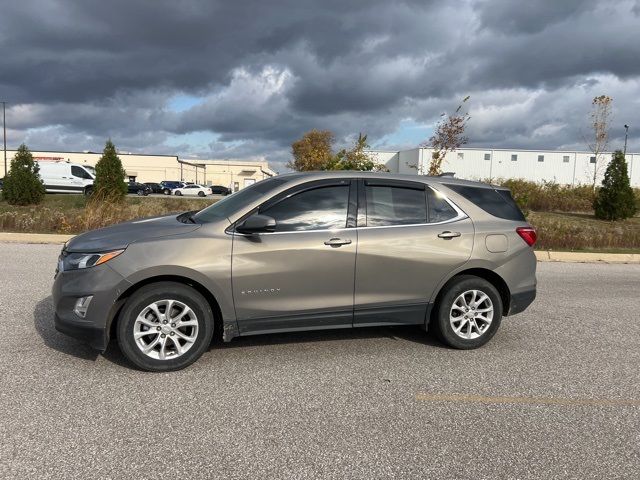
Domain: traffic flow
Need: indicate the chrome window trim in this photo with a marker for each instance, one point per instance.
(460, 216)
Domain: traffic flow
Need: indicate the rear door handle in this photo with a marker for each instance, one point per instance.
(336, 242)
(448, 234)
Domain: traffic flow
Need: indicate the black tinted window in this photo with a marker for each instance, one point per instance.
(395, 206)
(79, 172)
(322, 208)
(439, 208)
(498, 203)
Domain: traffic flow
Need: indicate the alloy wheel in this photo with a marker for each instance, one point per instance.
(471, 314)
(165, 329)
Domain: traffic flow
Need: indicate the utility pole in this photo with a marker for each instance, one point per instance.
(4, 135)
(626, 134)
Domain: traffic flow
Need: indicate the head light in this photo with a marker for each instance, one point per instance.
(77, 261)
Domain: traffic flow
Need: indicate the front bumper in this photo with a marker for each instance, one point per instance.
(106, 286)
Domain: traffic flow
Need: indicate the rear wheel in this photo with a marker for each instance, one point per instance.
(165, 326)
(140, 193)
(166, 191)
(469, 312)
(201, 194)
(178, 193)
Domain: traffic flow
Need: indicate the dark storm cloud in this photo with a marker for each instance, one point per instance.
(261, 73)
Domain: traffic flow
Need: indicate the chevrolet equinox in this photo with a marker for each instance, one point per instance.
(301, 251)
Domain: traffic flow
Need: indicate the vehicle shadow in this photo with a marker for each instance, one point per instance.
(43, 323)
(410, 333)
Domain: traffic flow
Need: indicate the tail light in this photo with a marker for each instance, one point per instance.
(528, 234)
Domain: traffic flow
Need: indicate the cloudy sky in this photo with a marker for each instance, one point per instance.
(243, 79)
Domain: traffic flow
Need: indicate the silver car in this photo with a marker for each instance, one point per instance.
(302, 251)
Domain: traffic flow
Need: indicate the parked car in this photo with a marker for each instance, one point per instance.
(169, 185)
(66, 177)
(138, 188)
(155, 187)
(302, 252)
(220, 190)
(191, 189)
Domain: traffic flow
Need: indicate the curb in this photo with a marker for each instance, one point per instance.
(41, 238)
(586, 257)
(541, 255)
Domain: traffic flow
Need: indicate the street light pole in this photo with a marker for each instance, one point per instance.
(626, 134)
(4, 135)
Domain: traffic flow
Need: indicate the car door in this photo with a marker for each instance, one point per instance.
(301, 275)
(77, 178)
(409, 238)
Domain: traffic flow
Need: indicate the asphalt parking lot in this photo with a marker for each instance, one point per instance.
(555, 394)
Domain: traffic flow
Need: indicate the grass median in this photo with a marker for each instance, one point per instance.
(70, 214)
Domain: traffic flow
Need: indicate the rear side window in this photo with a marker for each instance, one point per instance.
(498, 203)
(439, 208)
(388, 205)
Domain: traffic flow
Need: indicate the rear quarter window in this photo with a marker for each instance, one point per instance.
(498, 203)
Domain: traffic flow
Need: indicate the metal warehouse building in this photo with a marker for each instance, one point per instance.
(563, 167)
(235, 174)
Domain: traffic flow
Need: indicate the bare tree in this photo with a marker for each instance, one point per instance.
(600, 119)
(447, 137)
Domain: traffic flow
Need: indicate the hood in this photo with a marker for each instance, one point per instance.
(121, 235)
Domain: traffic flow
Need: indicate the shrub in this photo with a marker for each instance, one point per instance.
(109, 185)
(615, 200)
(22, 185)
(550, 196)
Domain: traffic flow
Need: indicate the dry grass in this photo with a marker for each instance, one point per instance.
(577, 231)
(72, 213)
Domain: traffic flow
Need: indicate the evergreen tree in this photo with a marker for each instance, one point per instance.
(110, 176)
(615, 199)
(22, 185)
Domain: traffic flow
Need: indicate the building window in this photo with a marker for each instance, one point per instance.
(514, 157)
(487, 156)
(541, 158)
(565, 159)
(592, 159)
(460, 156)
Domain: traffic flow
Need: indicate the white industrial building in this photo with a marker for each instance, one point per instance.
(562, 167)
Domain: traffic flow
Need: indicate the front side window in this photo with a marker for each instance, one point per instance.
(322, 208)
(80, 172)
(439, 209)
(388, 205)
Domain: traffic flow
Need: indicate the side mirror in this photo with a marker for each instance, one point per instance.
(257, 224)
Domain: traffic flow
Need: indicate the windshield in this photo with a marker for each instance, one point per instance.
(90, 169)
(228, 205)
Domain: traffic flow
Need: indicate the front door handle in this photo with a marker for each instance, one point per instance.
(447, 234)
(336, 242)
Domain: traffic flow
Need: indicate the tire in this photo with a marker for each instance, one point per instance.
(178, 194)
(201, 194)
(181, 295)
(469, 337)
(141, 193)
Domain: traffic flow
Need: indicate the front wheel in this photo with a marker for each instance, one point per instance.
(165, 326)
(201, 194)
(178, 194)
(469, 312)
(141, 193)
(166, 191)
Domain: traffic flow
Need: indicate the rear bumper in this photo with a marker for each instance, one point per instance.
(520, 301)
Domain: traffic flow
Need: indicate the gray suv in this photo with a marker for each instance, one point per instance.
(301, 252)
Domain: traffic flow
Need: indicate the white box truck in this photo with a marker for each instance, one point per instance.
(66, 177)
